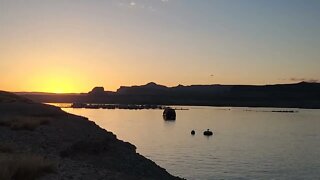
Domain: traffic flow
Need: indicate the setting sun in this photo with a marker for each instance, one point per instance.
(56, 82)
(58, 85)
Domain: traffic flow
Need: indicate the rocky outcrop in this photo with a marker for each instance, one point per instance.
(97, 91)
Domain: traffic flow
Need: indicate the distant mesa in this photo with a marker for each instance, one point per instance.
(147, 89)
(97, 91)
(180, 86)
(153, 85)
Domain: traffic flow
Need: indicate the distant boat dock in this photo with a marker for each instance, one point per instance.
(119, 106)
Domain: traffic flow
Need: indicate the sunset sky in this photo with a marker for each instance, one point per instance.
(73, 45)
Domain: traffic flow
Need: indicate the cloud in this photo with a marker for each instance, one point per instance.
(140, 4)
(294, 79)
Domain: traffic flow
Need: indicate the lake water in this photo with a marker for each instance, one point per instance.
(248, 143)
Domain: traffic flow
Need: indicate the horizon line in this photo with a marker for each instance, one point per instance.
(35, 92)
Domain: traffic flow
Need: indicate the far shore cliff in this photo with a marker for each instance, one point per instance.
(297, 95)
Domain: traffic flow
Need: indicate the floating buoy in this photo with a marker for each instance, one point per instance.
(193, 132)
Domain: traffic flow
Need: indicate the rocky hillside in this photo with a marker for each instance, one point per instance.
(39, 141)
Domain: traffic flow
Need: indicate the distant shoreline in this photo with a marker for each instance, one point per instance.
(177, 107)
(300, 95)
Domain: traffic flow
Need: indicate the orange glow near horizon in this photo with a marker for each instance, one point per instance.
(56, 81)
(58, 86)
(53, 84)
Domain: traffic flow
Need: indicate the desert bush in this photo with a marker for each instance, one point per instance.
(24, 122)
(24, 166)
(86, 147)
(6, 148)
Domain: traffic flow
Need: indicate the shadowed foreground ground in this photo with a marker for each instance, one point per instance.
(42, 142)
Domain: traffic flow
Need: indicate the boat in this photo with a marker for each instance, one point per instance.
(208, 133)
(169, 114)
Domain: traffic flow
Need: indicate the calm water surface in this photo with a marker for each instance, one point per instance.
(248, 143)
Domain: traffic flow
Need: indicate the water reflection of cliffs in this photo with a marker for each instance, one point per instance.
(300, 95)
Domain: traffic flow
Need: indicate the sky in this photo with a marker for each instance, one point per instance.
(74, 45)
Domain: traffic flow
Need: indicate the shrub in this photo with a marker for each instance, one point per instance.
(24, 167)
(24, 122)
(6, 148)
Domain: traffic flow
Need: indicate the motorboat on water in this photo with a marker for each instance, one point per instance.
(169, 114)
